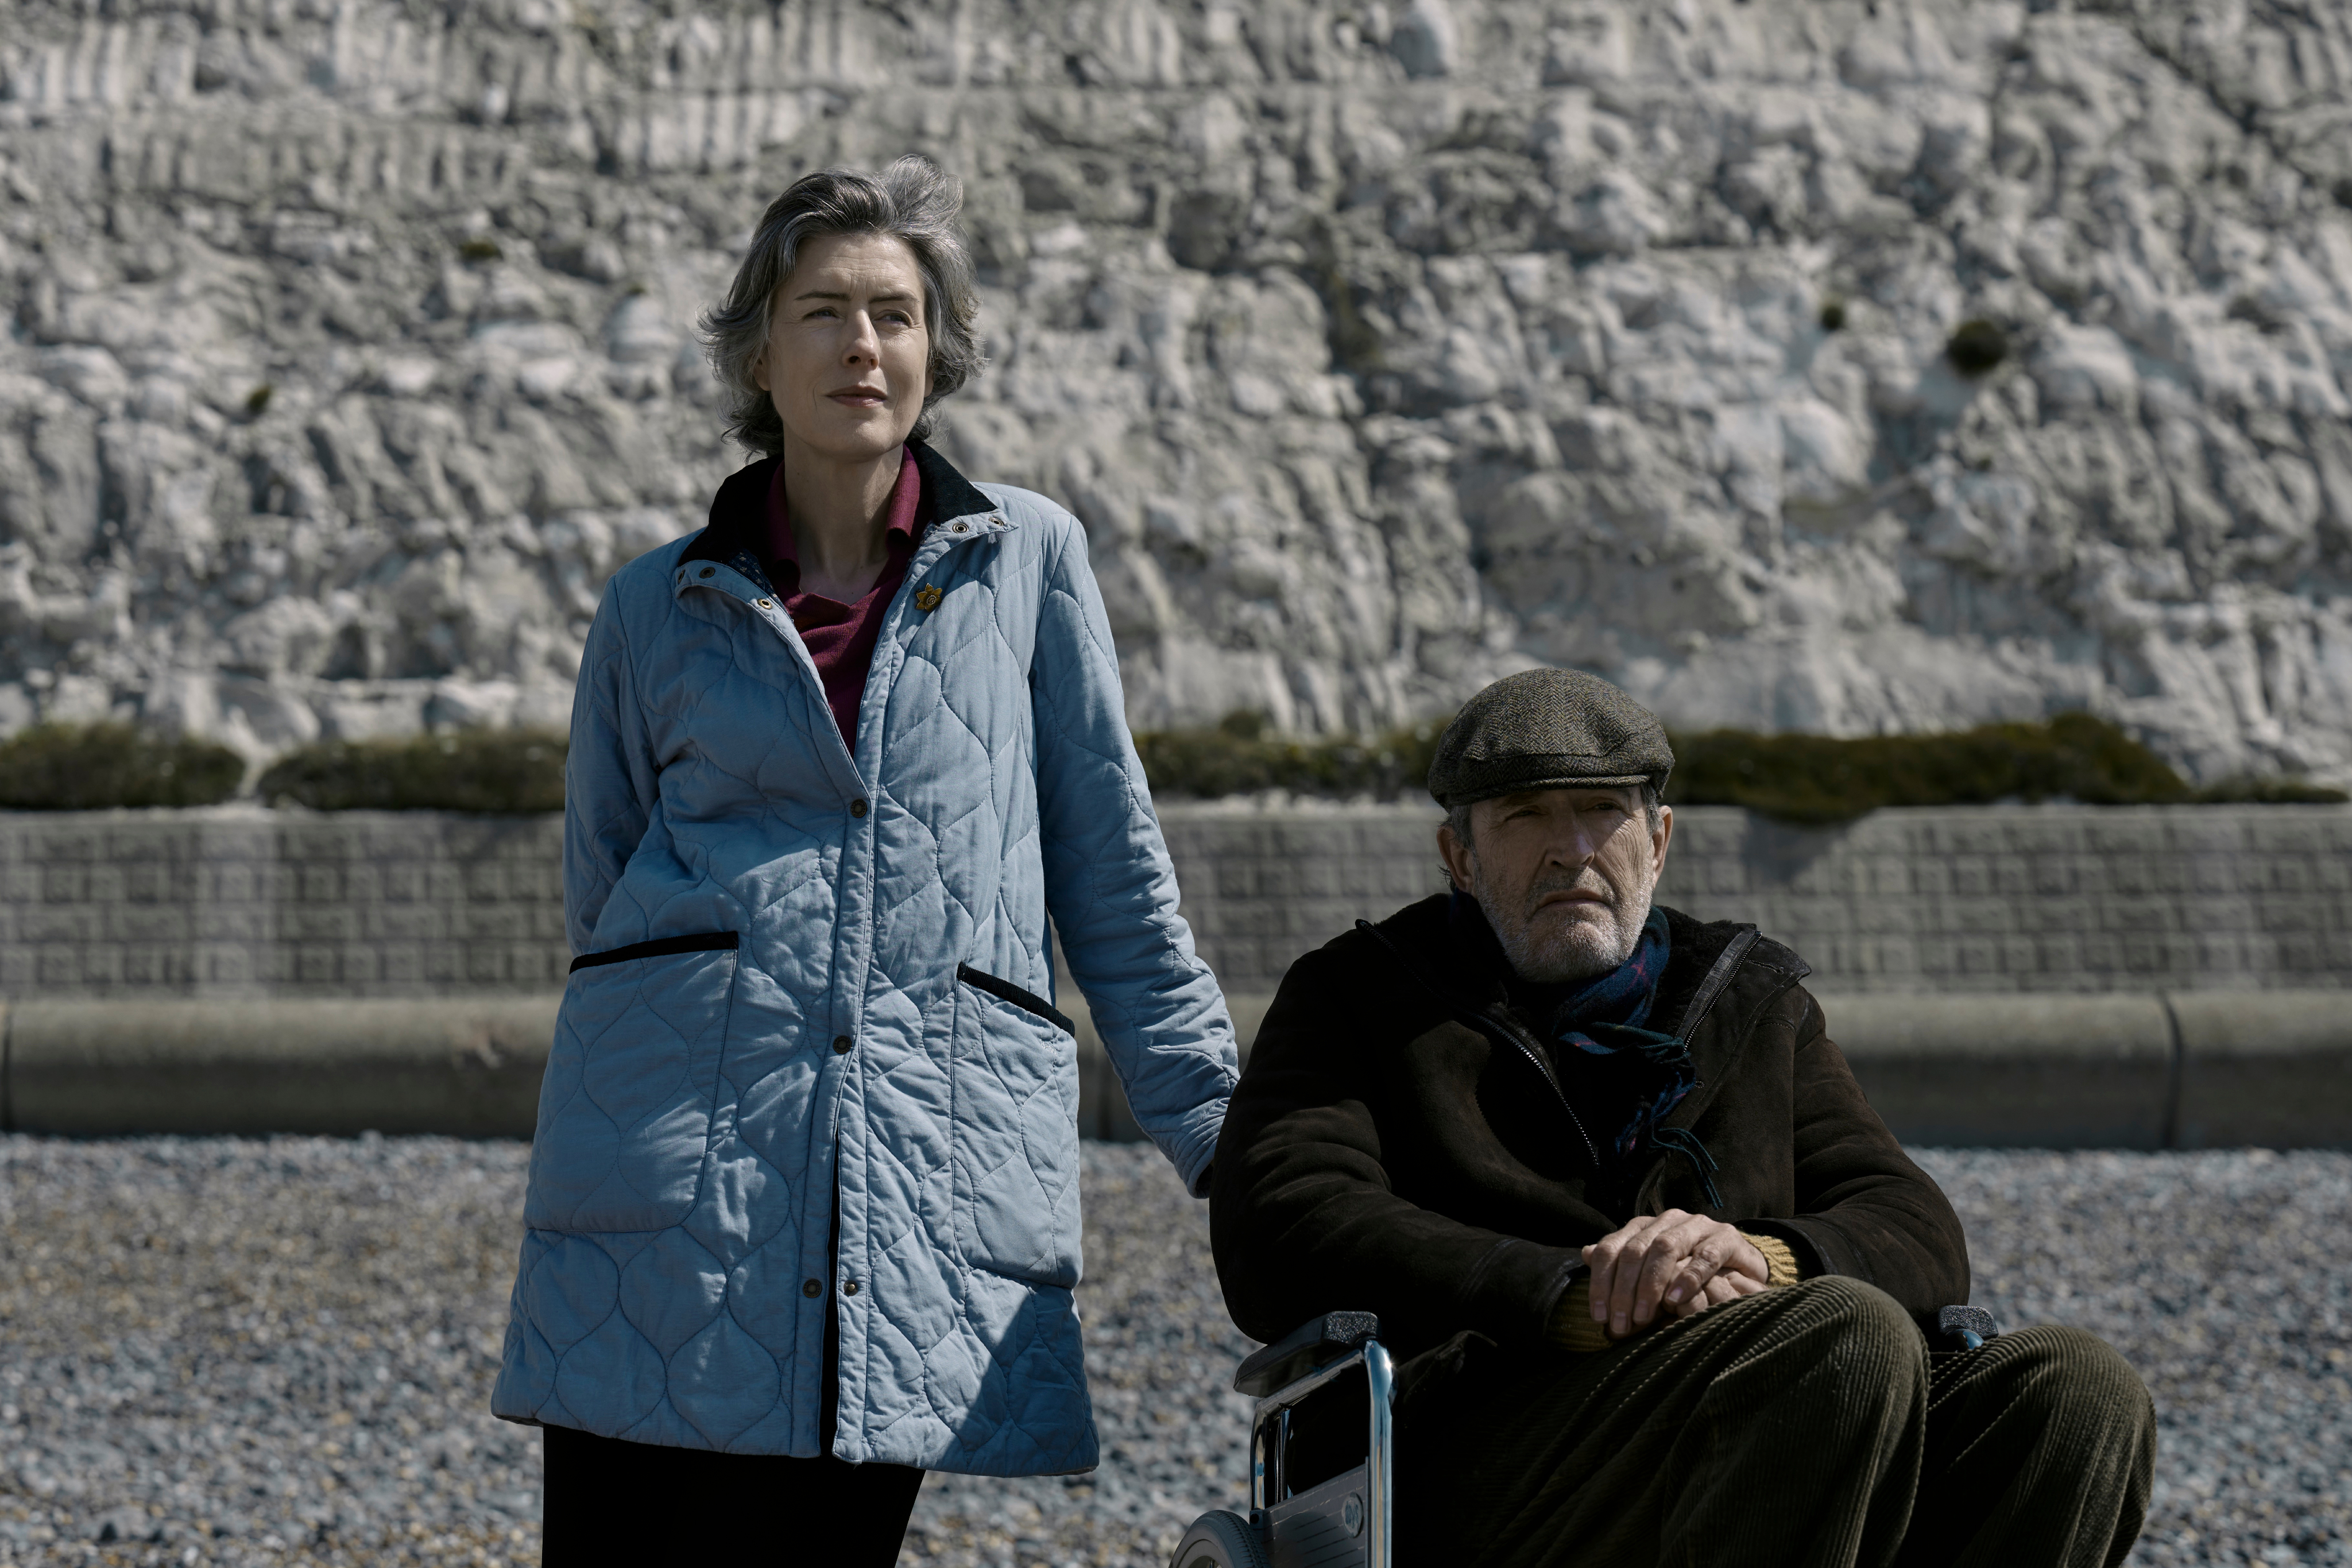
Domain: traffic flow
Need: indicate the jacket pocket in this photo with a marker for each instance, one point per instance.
(1006, 991)
(1014, 1133)
(626, 1107)
(661, 948)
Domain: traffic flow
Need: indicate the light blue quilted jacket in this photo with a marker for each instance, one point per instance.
(800, 968)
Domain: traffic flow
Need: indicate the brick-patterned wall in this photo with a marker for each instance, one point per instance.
(238, 901)
(2050, 898)
(1261, 887)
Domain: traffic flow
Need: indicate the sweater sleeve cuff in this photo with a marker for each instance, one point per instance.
(1572, 1327)
(1815, 1244)
(1780, 1259)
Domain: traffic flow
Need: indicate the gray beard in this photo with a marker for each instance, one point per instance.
(1584, 951)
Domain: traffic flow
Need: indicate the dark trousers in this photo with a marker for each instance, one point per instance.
(639, 1505)
(607, 1501)
(1807, 1425)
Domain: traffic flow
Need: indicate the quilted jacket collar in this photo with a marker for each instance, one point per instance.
(733, 537)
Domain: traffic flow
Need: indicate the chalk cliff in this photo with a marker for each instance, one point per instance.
(1383, 347)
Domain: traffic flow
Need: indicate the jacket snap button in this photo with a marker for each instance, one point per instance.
(813, 1289)
(708, 571)
(840, 1045)
(850, 1288)
(858, 807)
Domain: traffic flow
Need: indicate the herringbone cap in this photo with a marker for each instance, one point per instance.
(1548, 730)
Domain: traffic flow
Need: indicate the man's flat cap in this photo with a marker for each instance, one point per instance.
(1548, 730)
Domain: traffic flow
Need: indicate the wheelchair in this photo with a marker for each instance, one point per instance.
(1323, 1452)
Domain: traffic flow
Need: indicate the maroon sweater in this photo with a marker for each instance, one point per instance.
(840, 637)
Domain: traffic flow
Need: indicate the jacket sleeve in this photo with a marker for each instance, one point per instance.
(1109, 885)
(1864, 1209)
(609, 777)
(1303, 1219)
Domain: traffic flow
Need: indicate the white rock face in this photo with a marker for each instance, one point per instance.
(1384, 347)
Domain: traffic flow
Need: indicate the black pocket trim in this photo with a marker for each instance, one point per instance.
(1006, 991)
(662, 947)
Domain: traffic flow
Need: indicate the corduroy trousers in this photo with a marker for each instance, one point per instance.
(1804, 1426)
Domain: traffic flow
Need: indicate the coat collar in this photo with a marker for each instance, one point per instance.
(1757, 972)
(952, 507)
(1468, 967)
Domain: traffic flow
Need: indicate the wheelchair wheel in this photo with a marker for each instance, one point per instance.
(1220, 1540)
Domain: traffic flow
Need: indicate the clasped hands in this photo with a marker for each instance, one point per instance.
(1676, 1263)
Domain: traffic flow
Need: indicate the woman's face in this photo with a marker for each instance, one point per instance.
(848, 358)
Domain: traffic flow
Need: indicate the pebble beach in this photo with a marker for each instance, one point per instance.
(278, 1352)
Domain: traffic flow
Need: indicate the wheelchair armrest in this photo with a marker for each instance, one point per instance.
(1964, 1328)
(1311, 1344)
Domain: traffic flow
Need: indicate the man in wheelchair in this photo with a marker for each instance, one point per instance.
(1660, 1285)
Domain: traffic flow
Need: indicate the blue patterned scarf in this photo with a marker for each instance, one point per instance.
(1604, 1019)
(1615, 1071)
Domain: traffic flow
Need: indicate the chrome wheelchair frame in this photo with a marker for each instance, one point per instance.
(1342, 1521)
(1347, 1519)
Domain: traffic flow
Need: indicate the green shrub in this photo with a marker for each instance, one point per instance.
(1815, 778)
(89, 767)
(1810, 779)
(502, 770)
(1238, 757)
(1804, 779)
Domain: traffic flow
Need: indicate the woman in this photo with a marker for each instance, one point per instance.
(804, 1205)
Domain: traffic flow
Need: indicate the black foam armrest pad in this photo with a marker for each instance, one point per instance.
(1311, 1344)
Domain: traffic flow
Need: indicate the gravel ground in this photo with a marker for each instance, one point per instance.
(2226, 1278)
(246, 1352)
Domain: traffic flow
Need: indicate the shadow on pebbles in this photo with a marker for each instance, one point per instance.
(276, 1352)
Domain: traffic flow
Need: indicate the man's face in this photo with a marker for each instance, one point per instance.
(1564, 877)
(848, 357)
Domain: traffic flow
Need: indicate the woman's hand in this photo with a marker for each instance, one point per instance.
(1681, 1262)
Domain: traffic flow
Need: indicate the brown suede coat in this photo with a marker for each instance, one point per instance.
(1393, 1148)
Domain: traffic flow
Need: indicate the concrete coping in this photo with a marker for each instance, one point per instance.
(470, 1068)
(2108, 1069)
(2122, 1070)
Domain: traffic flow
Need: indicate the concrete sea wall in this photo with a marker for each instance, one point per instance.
(241, 903)
(1985, 899)
(2151, 977)
(244, 902)
(2115, 1070)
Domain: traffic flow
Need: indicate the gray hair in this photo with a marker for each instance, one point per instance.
(912, 201)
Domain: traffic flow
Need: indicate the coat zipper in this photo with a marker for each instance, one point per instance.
(1517, 1036)
(1482, 1022)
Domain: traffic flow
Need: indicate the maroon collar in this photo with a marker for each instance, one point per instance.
(736, 532)
(903, 524)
